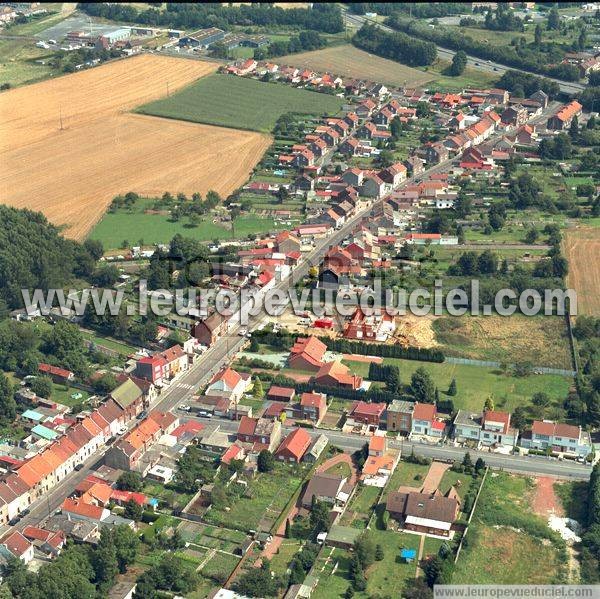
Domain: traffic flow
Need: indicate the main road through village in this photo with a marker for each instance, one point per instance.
(184, 388)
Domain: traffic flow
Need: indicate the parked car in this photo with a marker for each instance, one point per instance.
(78, 467)
(185, 408)
(142, 415)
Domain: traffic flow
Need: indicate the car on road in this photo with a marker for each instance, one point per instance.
(122, 430)
(142, 415)
(185, 408)
(204, 414)
(78, 467)
(495, 68)
(14, 521)
(477, 64)
(243, 332)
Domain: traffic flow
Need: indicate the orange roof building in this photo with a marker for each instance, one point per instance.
(294, 446)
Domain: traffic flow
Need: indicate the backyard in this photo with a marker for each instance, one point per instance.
(507, 542)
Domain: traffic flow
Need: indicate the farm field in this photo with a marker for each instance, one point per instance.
(349, 61)
(136, 225)
(229, 101)
(476, 383)
(582, 249)
(508, 543)
(70, 185)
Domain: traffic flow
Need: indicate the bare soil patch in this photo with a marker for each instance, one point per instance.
(545, 500)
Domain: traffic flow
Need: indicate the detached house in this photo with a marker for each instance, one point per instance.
(349, 147)
(373, 186)
(336, 374)
(294, 446)
(312, 406)
(228, 383)
(307, 354)
(394, 174)
(436, 153)
(558, 438)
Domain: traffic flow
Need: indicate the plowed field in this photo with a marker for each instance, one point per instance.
(582, 249)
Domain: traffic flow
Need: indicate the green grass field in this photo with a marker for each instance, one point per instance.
(240, 103)
(508, 543)
(476, 383)
(136, 225)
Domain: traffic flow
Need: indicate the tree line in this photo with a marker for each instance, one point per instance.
(397, 46)
(321, 17)
(546, 61)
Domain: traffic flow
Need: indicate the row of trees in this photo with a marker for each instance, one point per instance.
(590, 541)
(321, 17)
(522, 56)
(396, 46)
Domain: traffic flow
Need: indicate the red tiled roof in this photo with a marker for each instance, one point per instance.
(247, 425)
(54, 370)
(278, 391)
(231, 453)
(229, 376)
(368, 409)
(296, 443)
(75, 506)
(493, 416)
(377, 443)
(16, 543)
(424, 411)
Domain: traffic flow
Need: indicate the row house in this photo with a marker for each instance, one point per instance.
(262, 433)
(546, 435)
(40, 474)
(210, 329)
(425, 422)
(562, 119)
(435, 153)
(489, 428)
(304, 158)
(367, 413)
(414, 166)
(312, 406)
(373, 186)
(125, 454)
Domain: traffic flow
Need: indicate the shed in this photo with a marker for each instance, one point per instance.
(342, 537)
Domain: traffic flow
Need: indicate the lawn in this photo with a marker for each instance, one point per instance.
(385, 578)
(269, 492)
(287, 550)
(19, 62)
(230, 101)
(406, 474)
(342, 469)
(63, 394)
(139, 225)
(118, 346)
(507, 542)
(471, 77)
(476, 383)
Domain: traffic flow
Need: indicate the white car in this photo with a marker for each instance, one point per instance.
(243, 332)
(122, 430)
(185, 408)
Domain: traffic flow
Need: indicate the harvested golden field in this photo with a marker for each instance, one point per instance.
(582, 249)
(31, 113)
(349, 61)
(71, 175)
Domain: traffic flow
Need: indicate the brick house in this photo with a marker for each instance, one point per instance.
(294, 446)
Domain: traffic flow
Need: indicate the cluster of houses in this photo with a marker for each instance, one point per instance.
(24, 481)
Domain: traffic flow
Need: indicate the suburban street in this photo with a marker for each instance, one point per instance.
(513, 463)
(182, 390)
(481, 64)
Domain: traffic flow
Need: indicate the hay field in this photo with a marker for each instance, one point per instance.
(349, 61)
(582, 250)
(73, 174)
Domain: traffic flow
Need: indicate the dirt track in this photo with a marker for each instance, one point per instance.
(72, 174)
(582, 249)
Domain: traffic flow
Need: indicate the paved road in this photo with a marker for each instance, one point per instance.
(472, 61)
(225, 349)
(523, 464)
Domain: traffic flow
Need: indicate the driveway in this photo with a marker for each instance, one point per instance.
(434, 476)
